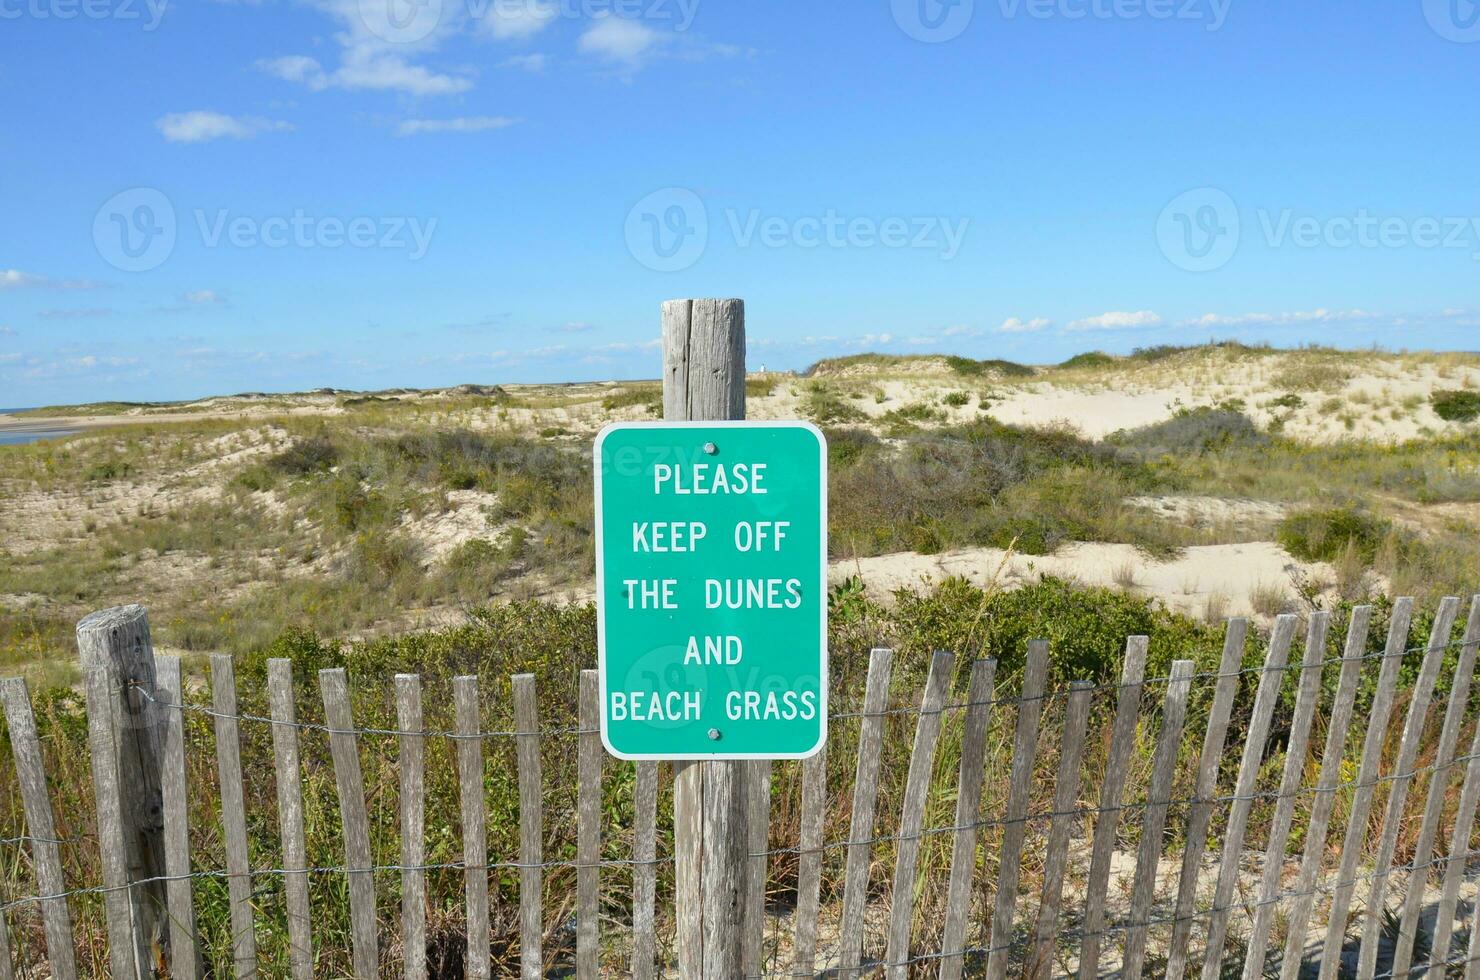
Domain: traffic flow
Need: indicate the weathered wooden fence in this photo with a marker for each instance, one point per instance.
(1046, 865)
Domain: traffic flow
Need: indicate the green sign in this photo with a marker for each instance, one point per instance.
(711, 563)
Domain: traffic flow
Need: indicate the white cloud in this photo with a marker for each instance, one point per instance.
(10, 358)
(16, 279)
(575, 326)
(461, 124)
(517, 20)
(525, 62)
(202, 297)
(365, 69)
(1014, 325)
(1280, 319)
(617, 39)
(201, 126)
(6, 331)
(1118, 321)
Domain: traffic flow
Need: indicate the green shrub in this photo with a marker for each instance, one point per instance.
(1325, 535)
(1289, 400)
(649, 396)
(957, 399)
(312, 455)
(1456, 406)
(969, 368)
(823, 405)
(1193, 432)
(1089, 359)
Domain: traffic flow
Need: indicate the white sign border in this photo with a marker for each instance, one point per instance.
(601, 588)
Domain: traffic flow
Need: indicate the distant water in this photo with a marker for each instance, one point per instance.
(32, 432)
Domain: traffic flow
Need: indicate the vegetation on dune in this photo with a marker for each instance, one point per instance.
(1089, 359)
(1456, 406)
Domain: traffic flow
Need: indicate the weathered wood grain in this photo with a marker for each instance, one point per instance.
(1402, 779)
(968, 815)
(1154, 817)
(912, 815)
(412, 762)
(25, 747)
(531, 829)
(1015, 826)
(865, 797)
(645, 871)
(183, 949)
(1102, 848)
(1367, 772)
(474, 813)
(1056, 850)
(233, 816)
(1423, 848)
(1297, 745)
(1327, 782)
(1200, 814)
(588, 829)
(1265, 700)
(344, 749)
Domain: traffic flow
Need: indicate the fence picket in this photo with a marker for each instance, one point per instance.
(809, 862)
(1200, 814)
(183, 952)
(1265, 700)
(288, 776)
(912, 815)
(343, 746)
(1102, 850)
(645, 871)
(412, 764)
(1361, 804)
(758, 832)
(233, 816)
(1423, 848)
(474, 822)
(865, 796)
(1014, 829)
(1296, 748)
(1154, 817)
(1459, 849)
(7, 965)
(968, 813)
(25, 746)
(531, 828)
(1056, 861)
(1402, 780)
(1324, 801)
(588, 829)
(125, 955)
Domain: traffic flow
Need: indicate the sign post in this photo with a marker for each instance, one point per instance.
(711, 596)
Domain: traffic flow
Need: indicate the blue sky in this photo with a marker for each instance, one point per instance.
(211, 197)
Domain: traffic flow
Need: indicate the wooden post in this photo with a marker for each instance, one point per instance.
(117, 641)
(704, 380)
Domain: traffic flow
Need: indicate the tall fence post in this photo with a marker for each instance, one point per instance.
(116, 642)
(704, 380)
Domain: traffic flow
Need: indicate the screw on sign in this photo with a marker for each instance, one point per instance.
(711, 559)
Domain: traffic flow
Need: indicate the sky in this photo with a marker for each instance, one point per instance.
(208, 197)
